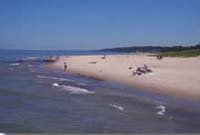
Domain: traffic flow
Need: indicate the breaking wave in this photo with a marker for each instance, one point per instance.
(117, 107)
(55, 85)
(73, 89)
(77, 90)
(14, 64)
(54, 78)
(161, 110)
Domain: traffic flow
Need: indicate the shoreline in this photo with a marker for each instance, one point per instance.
(178, 77)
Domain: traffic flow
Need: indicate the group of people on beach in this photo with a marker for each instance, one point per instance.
(142, 70)
(139, 71)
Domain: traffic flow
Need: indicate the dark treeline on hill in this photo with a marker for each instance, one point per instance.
(151, 48)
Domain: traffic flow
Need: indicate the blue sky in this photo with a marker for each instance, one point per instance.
(94, 24)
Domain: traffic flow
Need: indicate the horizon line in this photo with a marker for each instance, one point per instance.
(21, 49)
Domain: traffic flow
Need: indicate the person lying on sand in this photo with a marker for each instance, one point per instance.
(139, 71)
(93, 62)
(146, 69)
(142, 70)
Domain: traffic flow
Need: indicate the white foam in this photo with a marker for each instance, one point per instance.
(117, 107)
(2, 134)
(54, 78)
(76, 90)
(160, 113)
(162, 107)
(15, 64)
(55, 85)
(73, 89)
(162, 110)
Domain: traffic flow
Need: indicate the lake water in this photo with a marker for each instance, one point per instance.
(34, 99)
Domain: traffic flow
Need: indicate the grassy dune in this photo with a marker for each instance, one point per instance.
(185, 53)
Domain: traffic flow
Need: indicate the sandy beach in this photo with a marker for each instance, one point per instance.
(179, 77)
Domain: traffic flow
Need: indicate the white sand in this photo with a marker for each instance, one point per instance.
(173, 76)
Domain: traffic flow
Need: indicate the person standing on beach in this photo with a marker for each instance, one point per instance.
(65, 66)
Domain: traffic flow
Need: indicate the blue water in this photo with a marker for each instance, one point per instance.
(21, 54)
(35, 99)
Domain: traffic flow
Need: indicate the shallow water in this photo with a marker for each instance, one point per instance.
(38, 100)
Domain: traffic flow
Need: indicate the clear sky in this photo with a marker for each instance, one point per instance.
(94, 24)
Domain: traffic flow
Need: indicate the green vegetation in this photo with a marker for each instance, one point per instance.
(165, 51)
(154, 49)
(184, 53)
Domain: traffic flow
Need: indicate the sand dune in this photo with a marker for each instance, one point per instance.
(173, 76)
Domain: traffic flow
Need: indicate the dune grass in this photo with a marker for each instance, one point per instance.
(185, 53)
